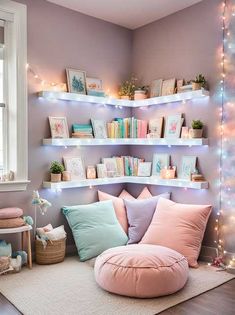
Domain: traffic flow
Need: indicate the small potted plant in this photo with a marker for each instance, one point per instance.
(199, 82)
(127, 89)
(197, 129)
(56, 170)
(141, 93)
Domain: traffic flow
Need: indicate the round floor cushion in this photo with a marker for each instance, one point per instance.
(141, 270)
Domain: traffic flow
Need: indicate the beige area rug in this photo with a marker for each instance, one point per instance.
(69, 288)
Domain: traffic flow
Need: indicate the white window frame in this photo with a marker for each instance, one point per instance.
(15, 93)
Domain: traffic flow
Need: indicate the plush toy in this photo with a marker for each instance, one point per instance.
(23, 254)
(16, 263)
(28, 220)
(5, 249)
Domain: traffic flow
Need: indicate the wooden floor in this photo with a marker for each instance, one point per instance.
(220, 301)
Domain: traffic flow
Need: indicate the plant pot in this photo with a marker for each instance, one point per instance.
(196, 86)
(140, 95)
(195, 133)
(66, 176)
(55, 177)
(125, 97)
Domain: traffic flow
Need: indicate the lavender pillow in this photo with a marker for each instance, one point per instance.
(139, 215)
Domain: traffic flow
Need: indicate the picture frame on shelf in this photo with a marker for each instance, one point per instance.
(185, 132)
(168, 87)
(188, 165)
(160, 162)
(93, 84)
(179, 84)
(75, 165)
(99, 129)
(173, 126)
(59, 127)
(144, 169)
(156, 88)
(101, 170)
(155, 127)
(111, 166)
(76, 80)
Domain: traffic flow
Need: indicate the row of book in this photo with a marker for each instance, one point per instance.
(127, 128)
(122, 166)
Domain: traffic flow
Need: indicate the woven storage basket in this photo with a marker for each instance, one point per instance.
(53, 253)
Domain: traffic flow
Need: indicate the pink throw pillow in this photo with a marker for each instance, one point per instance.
(125, 195)
(145, 194)
(180, 227)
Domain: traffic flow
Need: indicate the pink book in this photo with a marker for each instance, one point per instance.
(144, 127)
(138, 128)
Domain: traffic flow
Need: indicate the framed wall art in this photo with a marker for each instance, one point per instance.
(160, 162)
(76, 80)
(59, 127)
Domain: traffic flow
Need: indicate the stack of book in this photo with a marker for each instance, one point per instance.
(127, 128)
(122, 165)
(82, 131)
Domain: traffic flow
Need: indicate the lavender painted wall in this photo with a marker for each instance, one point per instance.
(60, 38)
(181, 46)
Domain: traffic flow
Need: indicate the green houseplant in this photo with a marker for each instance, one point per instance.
(197, 129)
(199, 82)
(56, 170)
(127, 89)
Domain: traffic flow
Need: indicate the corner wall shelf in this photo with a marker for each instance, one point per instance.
(124, 103)
(127, 141)
(181, 183)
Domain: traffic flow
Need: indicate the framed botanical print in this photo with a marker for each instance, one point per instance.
(168, 87)
(93, 84)
(160, 162)
(59, 127)
(173, 126)
(155, 127)
(156, 88)
(76, 80)
(99, 128)
(144, 169)
(75, 166)
(188, 165)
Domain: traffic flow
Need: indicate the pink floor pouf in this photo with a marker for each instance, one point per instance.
(141, 270)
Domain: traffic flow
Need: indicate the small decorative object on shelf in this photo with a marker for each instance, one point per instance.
(196, 176)
(156, 88)
(160, 161)
(127, 89)
(197, 129)
(91, 172)
(185, 132)
(66, 176)
(141, 93)
(101, 170)
(168, 87)
(144, 169)
(168, 173)
(188, 166)
(56, 170)
(173, 126)
(76, 80)
(155, 128)
(199, 82)
(6, 177)
(76, 167)
(82, 131)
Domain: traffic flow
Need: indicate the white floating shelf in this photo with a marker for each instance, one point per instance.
(125, 180)
(127, 141)
(124, 103)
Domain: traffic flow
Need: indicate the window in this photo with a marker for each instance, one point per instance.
(13, 95)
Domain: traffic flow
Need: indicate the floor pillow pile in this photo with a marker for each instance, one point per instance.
(143, 271)
(180, 227)
(139, 215)
(95, 228)
(118, 203)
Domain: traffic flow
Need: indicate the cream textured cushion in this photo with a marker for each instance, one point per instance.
(143, 271)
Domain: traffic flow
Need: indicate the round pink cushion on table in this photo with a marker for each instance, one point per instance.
(10, 213)
(143, 271)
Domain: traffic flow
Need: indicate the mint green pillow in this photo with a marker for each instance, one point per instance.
(95, 228)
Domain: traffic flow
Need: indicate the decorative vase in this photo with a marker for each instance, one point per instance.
(125, 97)
(66, 176)
(196, 86)
(195, 133)
(91, 172)
(140, 95)
(55, 177)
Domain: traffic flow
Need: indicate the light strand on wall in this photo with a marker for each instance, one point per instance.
(46, 85)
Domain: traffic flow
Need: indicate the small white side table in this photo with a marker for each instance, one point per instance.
(24, 230)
